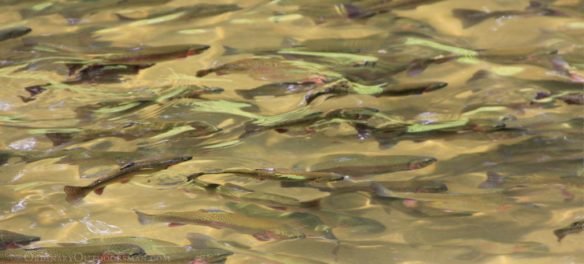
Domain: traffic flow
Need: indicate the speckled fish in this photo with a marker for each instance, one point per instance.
(261, 229)
(72, 253)
(356, 165)
(279, 89)
(233, 191)
(13, 32)
(574, 228)
(278, 174)
(15, 240)
(125, 173)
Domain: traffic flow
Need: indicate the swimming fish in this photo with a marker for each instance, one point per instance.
(471, 17)
(261, 229)
(233, 191)
(124, 174)
(356, 165)
(71, 253)
(278, 174)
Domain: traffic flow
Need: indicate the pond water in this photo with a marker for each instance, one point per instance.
(292, 131)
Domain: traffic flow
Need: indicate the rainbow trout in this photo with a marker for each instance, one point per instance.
(204, 256)
(261, 229)
(356, 165)
(123, 175)
(236, 192)
(574, 228)
(15, 240)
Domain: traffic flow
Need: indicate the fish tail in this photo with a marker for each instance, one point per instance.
(75, 194)
(470, 17)
(493, 180)
(199, 241)
(144, 218)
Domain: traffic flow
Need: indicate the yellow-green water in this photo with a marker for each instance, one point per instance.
(503, 112)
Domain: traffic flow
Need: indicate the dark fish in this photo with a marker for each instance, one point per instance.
(13, 32)
(495, 180)
(80, 73)
(405, 89)
(471, 17)
(15, 240)
(261, 229)
(125, 173)
(363, 11)
(573, 228)
(187, 12)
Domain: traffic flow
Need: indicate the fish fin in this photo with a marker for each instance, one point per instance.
(124, 18)
(99, 191)
(26, 99)
(172, 224)
(310, 203)
(59, 138)
(143, 218)
(292, 184)
(494, 180)
(380, 191)
(559, 234)
(289, 42)
(246, 94)
(200, 241)
(469, 17)
(229, 51)
(126, 180)
(75, 194)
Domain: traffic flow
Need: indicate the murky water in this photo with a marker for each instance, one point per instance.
(292, 131)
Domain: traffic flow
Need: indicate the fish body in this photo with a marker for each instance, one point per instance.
(470, 17)
(207, 256)
(574, 228)
(14, 240)
(261, 229)
(186, 12)
(406, 89)
(414, 186)
(495, 180)
(287, 175)
(124, 174)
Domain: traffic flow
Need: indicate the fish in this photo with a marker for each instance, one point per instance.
(356, 165)
(495, 180)
(573, 228)
(233, 191)
(185, 12)
(489, 202)
(470, 17)
(80, 73)
(75, 194)
(151, 55)
(278, 89)
(278, 174)
(14, 32)
(389, 90)
(261, 229)
(201, 241)
(10, 239)
(415, 186)
(71, 253)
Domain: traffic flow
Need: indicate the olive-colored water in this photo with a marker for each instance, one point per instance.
(320, 131)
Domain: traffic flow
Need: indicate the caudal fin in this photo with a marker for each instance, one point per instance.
(144, 218)
(75, 194)
(494, 180)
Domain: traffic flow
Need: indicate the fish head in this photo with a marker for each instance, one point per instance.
(421, 163)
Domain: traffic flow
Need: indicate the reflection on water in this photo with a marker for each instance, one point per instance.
(291, 131)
